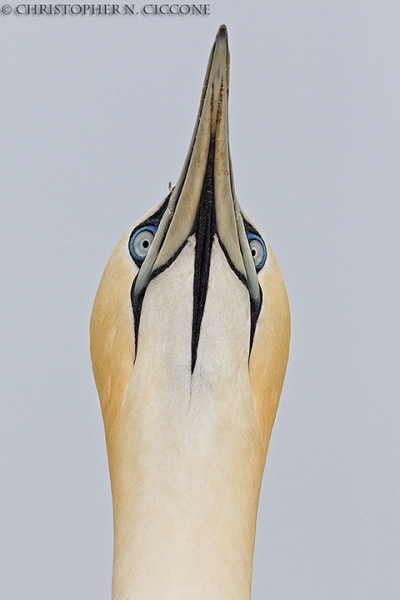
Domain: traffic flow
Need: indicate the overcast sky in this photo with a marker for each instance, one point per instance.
(96, 117)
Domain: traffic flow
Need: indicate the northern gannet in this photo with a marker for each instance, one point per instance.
(189, 342)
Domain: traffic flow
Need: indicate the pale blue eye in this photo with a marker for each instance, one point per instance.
(258, 250)
(140, 242)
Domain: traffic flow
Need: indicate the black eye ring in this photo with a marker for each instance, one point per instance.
(141, 241)
(258, 250)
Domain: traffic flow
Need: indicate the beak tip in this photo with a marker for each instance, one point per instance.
(222, 32)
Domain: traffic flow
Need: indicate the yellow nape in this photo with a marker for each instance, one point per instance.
(269, 356)
(112, 343)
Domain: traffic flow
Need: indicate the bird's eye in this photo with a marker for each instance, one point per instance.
(140, 242)
(258, 250)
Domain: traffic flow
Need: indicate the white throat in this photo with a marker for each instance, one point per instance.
(186, 468)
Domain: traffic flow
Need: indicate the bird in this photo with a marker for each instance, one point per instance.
(190, 334)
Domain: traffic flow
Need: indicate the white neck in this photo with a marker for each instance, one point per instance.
(185, 454)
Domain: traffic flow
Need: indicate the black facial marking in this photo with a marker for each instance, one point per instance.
(205, 229)
(255, 308)
(137, 299)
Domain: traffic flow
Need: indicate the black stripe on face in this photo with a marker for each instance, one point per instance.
(204, 229)
(137, 299)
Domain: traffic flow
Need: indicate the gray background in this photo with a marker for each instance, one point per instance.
(96, 117)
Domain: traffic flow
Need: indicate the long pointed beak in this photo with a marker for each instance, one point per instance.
(207, 173)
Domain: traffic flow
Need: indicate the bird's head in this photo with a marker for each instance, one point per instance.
(193, 291)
